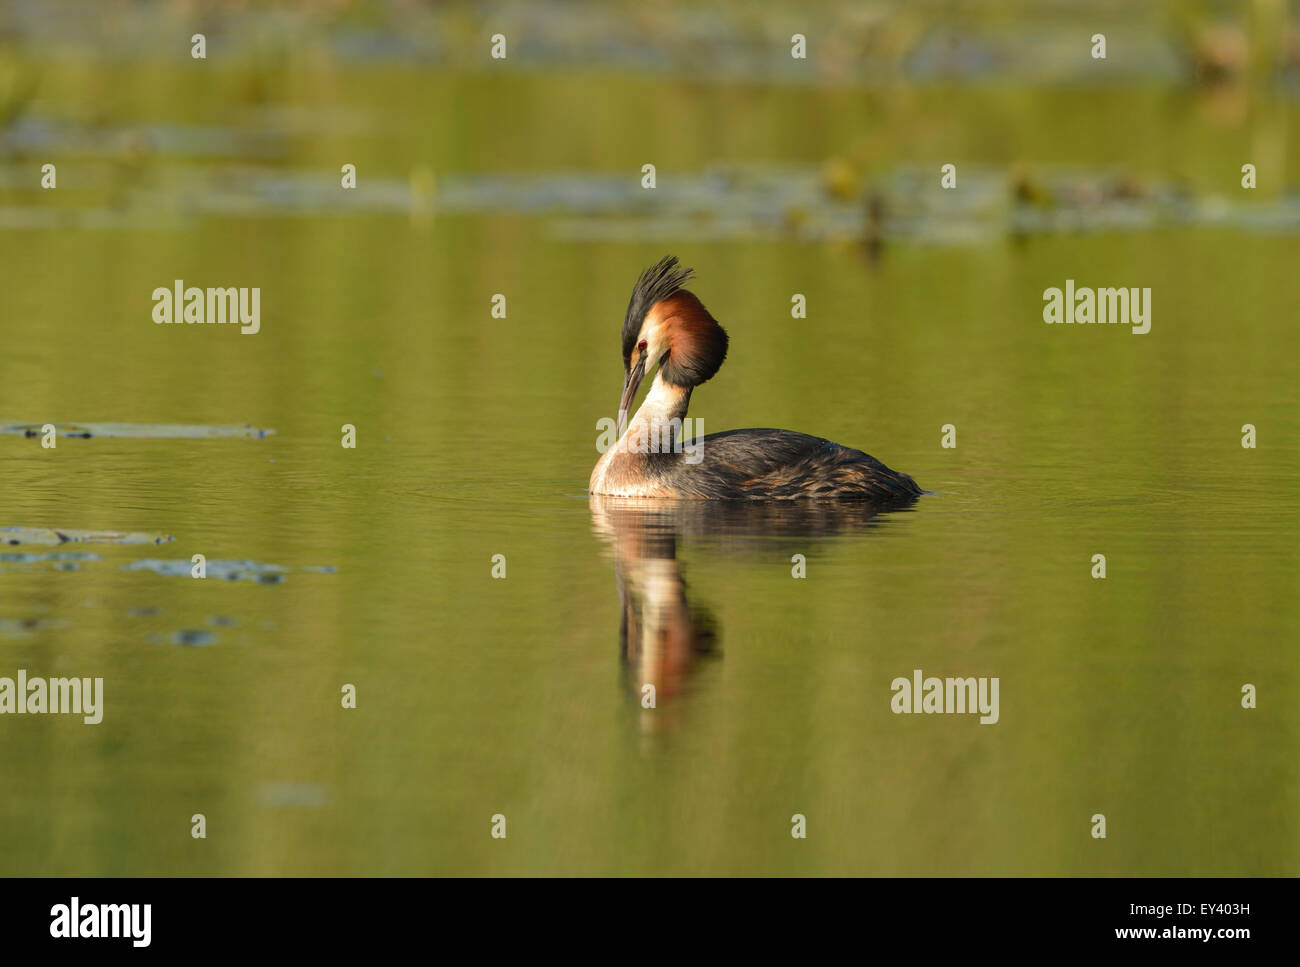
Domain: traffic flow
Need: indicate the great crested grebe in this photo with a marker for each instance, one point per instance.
(668, 327)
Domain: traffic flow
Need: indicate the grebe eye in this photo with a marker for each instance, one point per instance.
(641, 345)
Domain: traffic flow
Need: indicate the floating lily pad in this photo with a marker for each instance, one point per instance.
(21, 627)
(155, 431)
(62, 535)
(216, 570)
(192, 638)
(27, 557)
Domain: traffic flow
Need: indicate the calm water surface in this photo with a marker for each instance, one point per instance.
(475, 437)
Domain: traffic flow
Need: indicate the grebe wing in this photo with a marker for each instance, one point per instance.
(765, 463)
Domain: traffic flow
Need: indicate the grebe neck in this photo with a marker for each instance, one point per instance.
(660, 414)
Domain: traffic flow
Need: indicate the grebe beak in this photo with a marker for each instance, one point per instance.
(630, 386)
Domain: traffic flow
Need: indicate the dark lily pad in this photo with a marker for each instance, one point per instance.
(193, 638)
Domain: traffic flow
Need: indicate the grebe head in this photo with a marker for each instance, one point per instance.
(667, 326)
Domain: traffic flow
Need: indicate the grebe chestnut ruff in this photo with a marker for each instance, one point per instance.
(669, 328)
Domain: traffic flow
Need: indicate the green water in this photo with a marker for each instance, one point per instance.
(475, 436)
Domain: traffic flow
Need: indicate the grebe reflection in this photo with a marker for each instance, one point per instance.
(663, 634)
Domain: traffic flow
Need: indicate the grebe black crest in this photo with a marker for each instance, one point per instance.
(668, 328)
